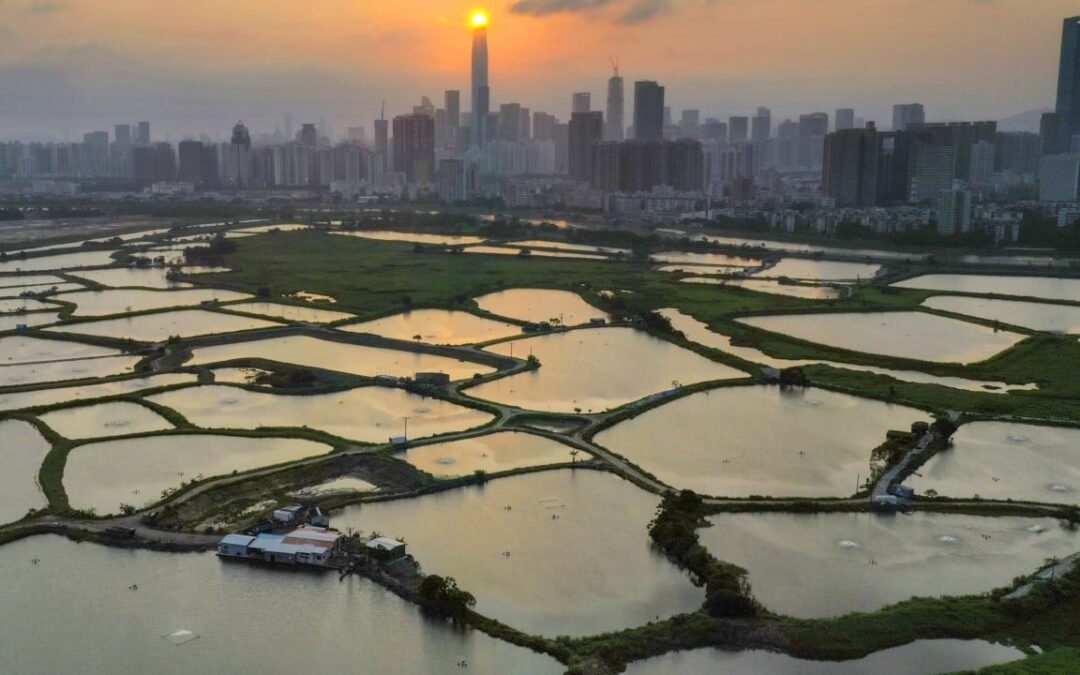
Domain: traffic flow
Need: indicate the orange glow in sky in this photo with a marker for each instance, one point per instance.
(340, 58)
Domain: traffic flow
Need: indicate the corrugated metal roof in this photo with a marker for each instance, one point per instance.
(237, 540)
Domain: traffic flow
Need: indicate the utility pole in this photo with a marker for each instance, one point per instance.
(406, 418)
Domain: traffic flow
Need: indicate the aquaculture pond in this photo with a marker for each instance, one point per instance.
(540, 304)
(14, 321)
(504, 250)
(7, 282)
(414, 237)
(567, 246)
(101, 303)
(1050, 288)
(153, 464)
(595, 369)
(492, 453)
(947, 656)
(16, 349)
(1006, 460)
(1034, 315)
(21, 453)
(163, 325)
(821, 270)
(11, 293)
(698, 332)
(302, 350)
(64, 371)
(556, 553)
(302, 313)
(907, 335)
(369, 414)
(682, 258)
(53, 396)
(135, 611)
(64, 261)
(760, 440)
(832, 564)
(436, 326)
(774, 287)
(23, 305)
(115, 418)
(142, 277)
(769, 245)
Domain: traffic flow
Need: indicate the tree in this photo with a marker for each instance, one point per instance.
(442, 595)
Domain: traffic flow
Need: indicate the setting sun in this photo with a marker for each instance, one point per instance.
(479, 20)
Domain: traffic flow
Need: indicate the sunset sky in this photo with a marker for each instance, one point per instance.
(198, 65)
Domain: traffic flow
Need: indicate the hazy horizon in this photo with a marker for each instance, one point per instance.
(74, 66)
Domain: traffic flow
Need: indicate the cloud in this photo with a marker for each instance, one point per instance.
(643, 10)
(43, 7)
(546, 7)
(632, 11)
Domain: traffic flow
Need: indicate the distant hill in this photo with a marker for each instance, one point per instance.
(1025, 121)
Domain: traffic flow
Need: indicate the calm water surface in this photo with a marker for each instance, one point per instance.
(540, 304)
(821, 270)
(155, 463)
(59, 262)
(436, 326)
(700, 333)
(160, 327)
(116, 418)
(73, 612)
(371, 414)
(101, 303)
(21, 453)
(760, 440)
(1005, 460)
(277, 310)
(16, 349)
(302, 350)
(773, 287)
(500, 451)
(150, 277)
(62, 371)
(680, 257)
(570, 556)
(502, 250)
(832, 564)
(1033, 315)
(597, 369)
(42, 397)
(906, 335)
(944, 656)
(415, 237)
(1049, 288)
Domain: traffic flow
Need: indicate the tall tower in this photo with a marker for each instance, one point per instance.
(648, 110)
(1068, 89)
(615, 126)
(481, 91)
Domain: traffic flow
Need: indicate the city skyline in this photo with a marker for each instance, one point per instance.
(80, 80)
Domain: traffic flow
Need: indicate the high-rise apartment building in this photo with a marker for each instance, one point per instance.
(850, 171)
(586, 130)
(761, 126)
(845, 118)
(905, 115)
(648, 110)
(414, 147)
(738, 129)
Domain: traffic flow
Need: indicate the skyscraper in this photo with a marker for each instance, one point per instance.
(1068, 89)
(738, 129)
(845, 119)
(510, 122)
(648, 109)
(309, 135)
(481, 91)
(586, 129)
(690, 123)
(582, 102)
(414, 147)
(761, 126)
(452, 105)
(142, 134)
(850, 174)
(905, 115)
(615, 126)
(382, 145)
